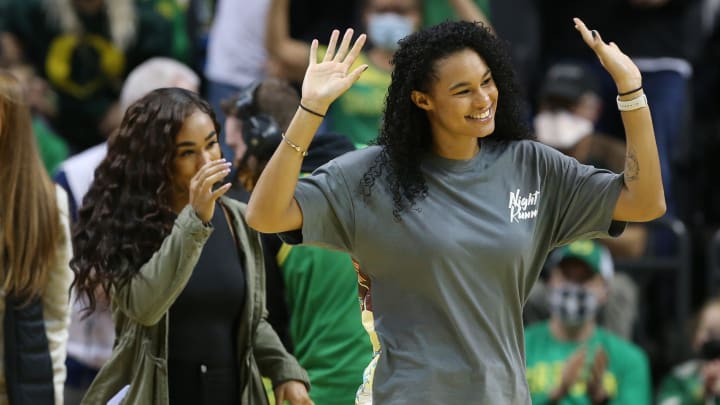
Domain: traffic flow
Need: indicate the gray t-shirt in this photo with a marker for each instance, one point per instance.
(449, 279)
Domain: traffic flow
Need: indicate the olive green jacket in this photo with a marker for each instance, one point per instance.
(140, 310)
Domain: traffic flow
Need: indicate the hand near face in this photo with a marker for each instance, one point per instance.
(202, 196)
(294, 392)
(623, 70)
(326, 80)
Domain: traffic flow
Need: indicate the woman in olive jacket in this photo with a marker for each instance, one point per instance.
(183, 271)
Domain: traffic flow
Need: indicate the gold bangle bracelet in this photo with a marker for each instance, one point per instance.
(294, 146)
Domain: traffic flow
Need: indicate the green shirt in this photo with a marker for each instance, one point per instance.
(435, 12)
(684, 386)
(357, 114)
(626, 380)
(329, 339)
(53, 150)
(174, 13)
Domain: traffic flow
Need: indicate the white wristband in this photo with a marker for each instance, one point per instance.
(633, 104)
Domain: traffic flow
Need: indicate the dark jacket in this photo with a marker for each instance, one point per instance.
(28, 367)
(34, 336)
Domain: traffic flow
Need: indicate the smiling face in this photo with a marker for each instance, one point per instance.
(195, 144)
(461, 101)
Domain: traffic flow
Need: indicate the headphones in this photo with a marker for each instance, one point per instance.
(260, 131)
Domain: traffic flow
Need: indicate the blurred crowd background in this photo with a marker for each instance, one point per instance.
(74, 57)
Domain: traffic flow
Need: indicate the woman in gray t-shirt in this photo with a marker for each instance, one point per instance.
(453, 212)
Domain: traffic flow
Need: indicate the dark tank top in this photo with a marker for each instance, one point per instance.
(202, 361)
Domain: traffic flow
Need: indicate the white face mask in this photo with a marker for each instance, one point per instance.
(573, 304)
(386, 29)
(561, 129)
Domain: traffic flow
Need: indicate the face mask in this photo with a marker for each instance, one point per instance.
(386, 29)
(561, 129)
(573, 304)
(710, 350)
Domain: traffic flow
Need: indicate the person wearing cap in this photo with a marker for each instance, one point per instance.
(570, 359)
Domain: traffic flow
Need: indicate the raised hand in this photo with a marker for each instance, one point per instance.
(326, 80)
(202, 196)
(621, 68)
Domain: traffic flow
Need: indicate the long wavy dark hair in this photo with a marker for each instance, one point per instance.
(406, 134)
(127, 212)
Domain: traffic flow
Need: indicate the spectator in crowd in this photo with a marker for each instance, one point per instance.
(84, 49)
(156, 237)
(661, 37)
(92, 336)
(34, 253)
(358, 112)
(569, 358)
(318, 285)
(697, 381)
(569, 106)
(42, 102)
(236, 55)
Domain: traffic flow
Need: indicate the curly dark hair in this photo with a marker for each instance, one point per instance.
(126, 213)
(406, 134)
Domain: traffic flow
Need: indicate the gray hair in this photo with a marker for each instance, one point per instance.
(156, 73)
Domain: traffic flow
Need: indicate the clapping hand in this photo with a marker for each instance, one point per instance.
(573, 371)
(326, 80)
(570, 374)
(621, 68)
(595, 389)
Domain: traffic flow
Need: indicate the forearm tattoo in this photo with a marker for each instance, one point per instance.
(632, 167)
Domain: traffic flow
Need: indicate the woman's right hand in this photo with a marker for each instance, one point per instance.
(621, 68)
(326, 80)
(202, 196)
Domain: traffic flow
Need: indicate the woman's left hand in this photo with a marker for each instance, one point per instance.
(294, 392)
(621, 68)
